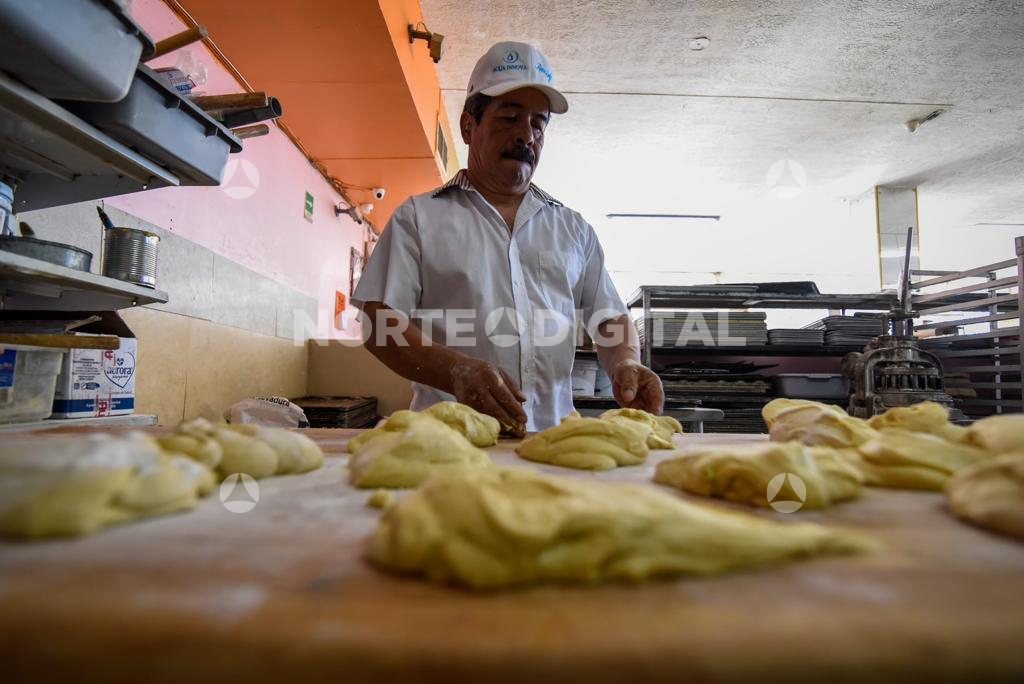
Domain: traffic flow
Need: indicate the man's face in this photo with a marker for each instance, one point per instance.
(504, 148)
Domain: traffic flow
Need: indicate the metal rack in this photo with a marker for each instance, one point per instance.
(992, 358)
(650, 297)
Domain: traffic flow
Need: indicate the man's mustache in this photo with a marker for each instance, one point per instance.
(523, 154)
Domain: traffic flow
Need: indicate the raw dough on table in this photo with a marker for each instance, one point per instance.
(381, 498)
(479, 428)
(53, 486)
(912, 460)
(776, 406)
(998, 434)
(405, 459)
(662, 427)
(589, 444)
(925, 416)
(743, 472)
(296, 453)
(254, 450)
(495, 528)
(991, 494)
(816, 424)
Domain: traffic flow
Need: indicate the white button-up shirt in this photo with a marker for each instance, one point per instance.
(447, 260)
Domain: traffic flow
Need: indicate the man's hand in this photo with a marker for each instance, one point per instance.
(489, 389)
(637, 386)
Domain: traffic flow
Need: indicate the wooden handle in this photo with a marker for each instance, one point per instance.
(179, 40)
(251, 131)
(106, 342)
(211, 103)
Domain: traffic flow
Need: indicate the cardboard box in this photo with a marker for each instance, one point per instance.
(96, 382)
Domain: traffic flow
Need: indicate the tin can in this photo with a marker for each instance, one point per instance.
(129, 254)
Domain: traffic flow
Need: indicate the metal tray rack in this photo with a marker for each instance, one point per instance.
(983, 346)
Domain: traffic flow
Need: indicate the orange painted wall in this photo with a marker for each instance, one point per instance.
(357, 95)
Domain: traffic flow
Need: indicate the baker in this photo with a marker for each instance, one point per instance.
(473, 291)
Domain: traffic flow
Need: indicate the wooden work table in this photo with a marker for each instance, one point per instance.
(283, 593)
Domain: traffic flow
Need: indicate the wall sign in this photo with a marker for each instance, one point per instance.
(309, 207)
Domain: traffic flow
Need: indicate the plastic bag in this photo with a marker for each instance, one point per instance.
(268, 411)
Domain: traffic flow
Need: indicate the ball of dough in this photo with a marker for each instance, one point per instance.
(396, 422)
(776, 406)
(998, 434)
(296, 453)
(819, 425)
(244, 454)
(405, 459)
(205, 450)
(991, 494)
(743, 473)
(926, 416)
(913, 460)
(55, 486)
(479, 428)
(662, 427)
(589, 444)
(496, 528)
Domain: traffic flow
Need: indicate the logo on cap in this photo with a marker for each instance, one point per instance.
(511, 56)
(547, 72)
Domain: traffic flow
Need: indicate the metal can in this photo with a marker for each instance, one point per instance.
(130, 254)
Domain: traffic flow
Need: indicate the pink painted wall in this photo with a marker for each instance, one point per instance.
(265, 231)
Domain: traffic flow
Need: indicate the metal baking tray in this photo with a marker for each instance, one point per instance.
(72, 49)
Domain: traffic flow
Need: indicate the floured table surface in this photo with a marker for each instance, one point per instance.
(283, 590)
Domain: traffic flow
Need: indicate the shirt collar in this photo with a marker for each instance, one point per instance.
(461, 181)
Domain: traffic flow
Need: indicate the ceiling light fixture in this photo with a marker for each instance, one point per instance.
(1002, 225)
(435, 41)
(666, 217)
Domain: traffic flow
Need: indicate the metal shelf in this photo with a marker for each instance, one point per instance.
(60, 159)
(133, 420)
(997, 377)
(769, 350)
(678, 297)
(27, 283)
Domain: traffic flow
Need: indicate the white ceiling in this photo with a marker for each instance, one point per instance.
(656, 127)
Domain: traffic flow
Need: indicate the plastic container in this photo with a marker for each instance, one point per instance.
(811, 386)
(28, 378)
(6, 205)
(166, 127)
(72, 49)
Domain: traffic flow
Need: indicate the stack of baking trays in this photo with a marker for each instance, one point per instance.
(697, 328)
(801, 337)
(339, 412)
(736, 388)
(846, 331)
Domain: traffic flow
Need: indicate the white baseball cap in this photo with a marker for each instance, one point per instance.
(509, 66)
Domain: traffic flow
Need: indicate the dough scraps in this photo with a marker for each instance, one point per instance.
(662, 427)
(912, 460)
(925, 416)
(589, 444)
(743, 472)
(405, 459)
(56, 486)
(991, 494)
(495, 528)
(381, 498)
